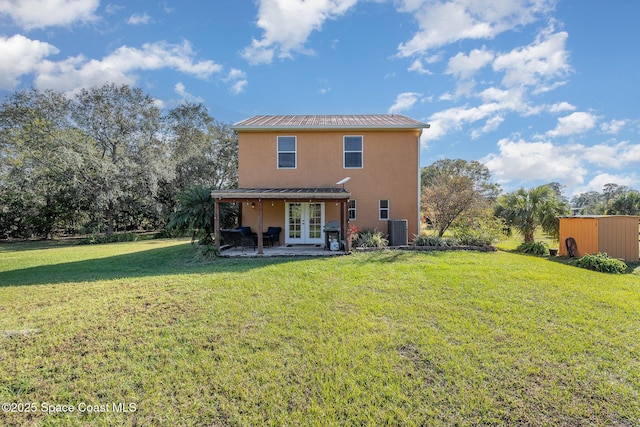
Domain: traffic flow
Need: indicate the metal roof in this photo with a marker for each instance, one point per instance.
(312, 122)
(282, 194)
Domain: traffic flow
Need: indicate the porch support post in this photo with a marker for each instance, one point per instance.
(260, 222)
(343, 224)
(216, 223)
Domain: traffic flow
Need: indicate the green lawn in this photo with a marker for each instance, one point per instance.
(380, 338)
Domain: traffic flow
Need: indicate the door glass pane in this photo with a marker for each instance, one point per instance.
(295, 221)
(315, 220)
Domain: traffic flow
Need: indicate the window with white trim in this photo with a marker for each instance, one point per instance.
(287, 152)
(383, 209)
(352, 210)
(352, 152)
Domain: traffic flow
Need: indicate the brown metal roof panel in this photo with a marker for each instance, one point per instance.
(365, 121)
(281, 193)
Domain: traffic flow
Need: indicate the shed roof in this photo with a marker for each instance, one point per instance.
(313, 122)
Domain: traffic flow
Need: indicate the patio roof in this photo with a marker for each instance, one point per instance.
(331, 194)
(289, 194)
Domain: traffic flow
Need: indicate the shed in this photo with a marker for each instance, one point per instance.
(615, 235)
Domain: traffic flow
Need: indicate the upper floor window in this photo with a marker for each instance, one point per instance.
(286, 152)
(353, 151)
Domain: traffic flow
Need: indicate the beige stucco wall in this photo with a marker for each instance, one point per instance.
(390, 171)
(273, 215)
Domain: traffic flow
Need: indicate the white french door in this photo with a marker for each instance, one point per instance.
(304, 223)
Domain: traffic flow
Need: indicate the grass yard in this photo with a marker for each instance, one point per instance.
(379, 338)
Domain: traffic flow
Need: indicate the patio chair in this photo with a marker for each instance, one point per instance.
(249, 238)
(272, 235)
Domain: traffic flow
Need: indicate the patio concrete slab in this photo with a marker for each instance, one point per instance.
(281, 251)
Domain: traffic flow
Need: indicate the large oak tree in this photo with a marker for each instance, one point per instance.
(452, 188)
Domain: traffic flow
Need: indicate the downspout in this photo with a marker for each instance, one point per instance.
(419, 182)
(420, 176)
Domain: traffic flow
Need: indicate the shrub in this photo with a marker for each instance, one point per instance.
(207, 252)
(165, 234)
(534, 248)
(482, 231)
(352, 234)
(435, 241)
(601, 262)
(371, 239)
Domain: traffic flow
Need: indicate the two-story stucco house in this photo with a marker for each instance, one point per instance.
(293, 170)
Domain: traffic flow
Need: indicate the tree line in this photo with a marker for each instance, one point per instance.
(613, 200)
(460, 195)
(103, 160)
(107, 159)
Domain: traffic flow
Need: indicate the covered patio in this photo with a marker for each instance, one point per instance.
(257, 198)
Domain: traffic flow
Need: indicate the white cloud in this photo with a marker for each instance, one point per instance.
(452, 119)
(533, 68)
(112, 9)
(239, 86)
(404, 101)
(45, 13)
(494, 94)
(530, 161)
(465, 66)
(617, 156)
(491, 125)
(238, 80)
(181, 90)
(444, 22)
(325, 86)
(598, 182)
(568, 164)
(536, 64)
(614, 126)
(139, 19)
(260, 52)
(120, 66)
(496, 103)
(574, 123)
(21, 56)
(287, 24)
(419, 68)
(561, 107)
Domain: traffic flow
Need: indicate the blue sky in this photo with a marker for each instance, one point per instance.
(538, 90)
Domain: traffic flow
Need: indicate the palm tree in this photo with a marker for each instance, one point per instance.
(526, 210)
(196, 214)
